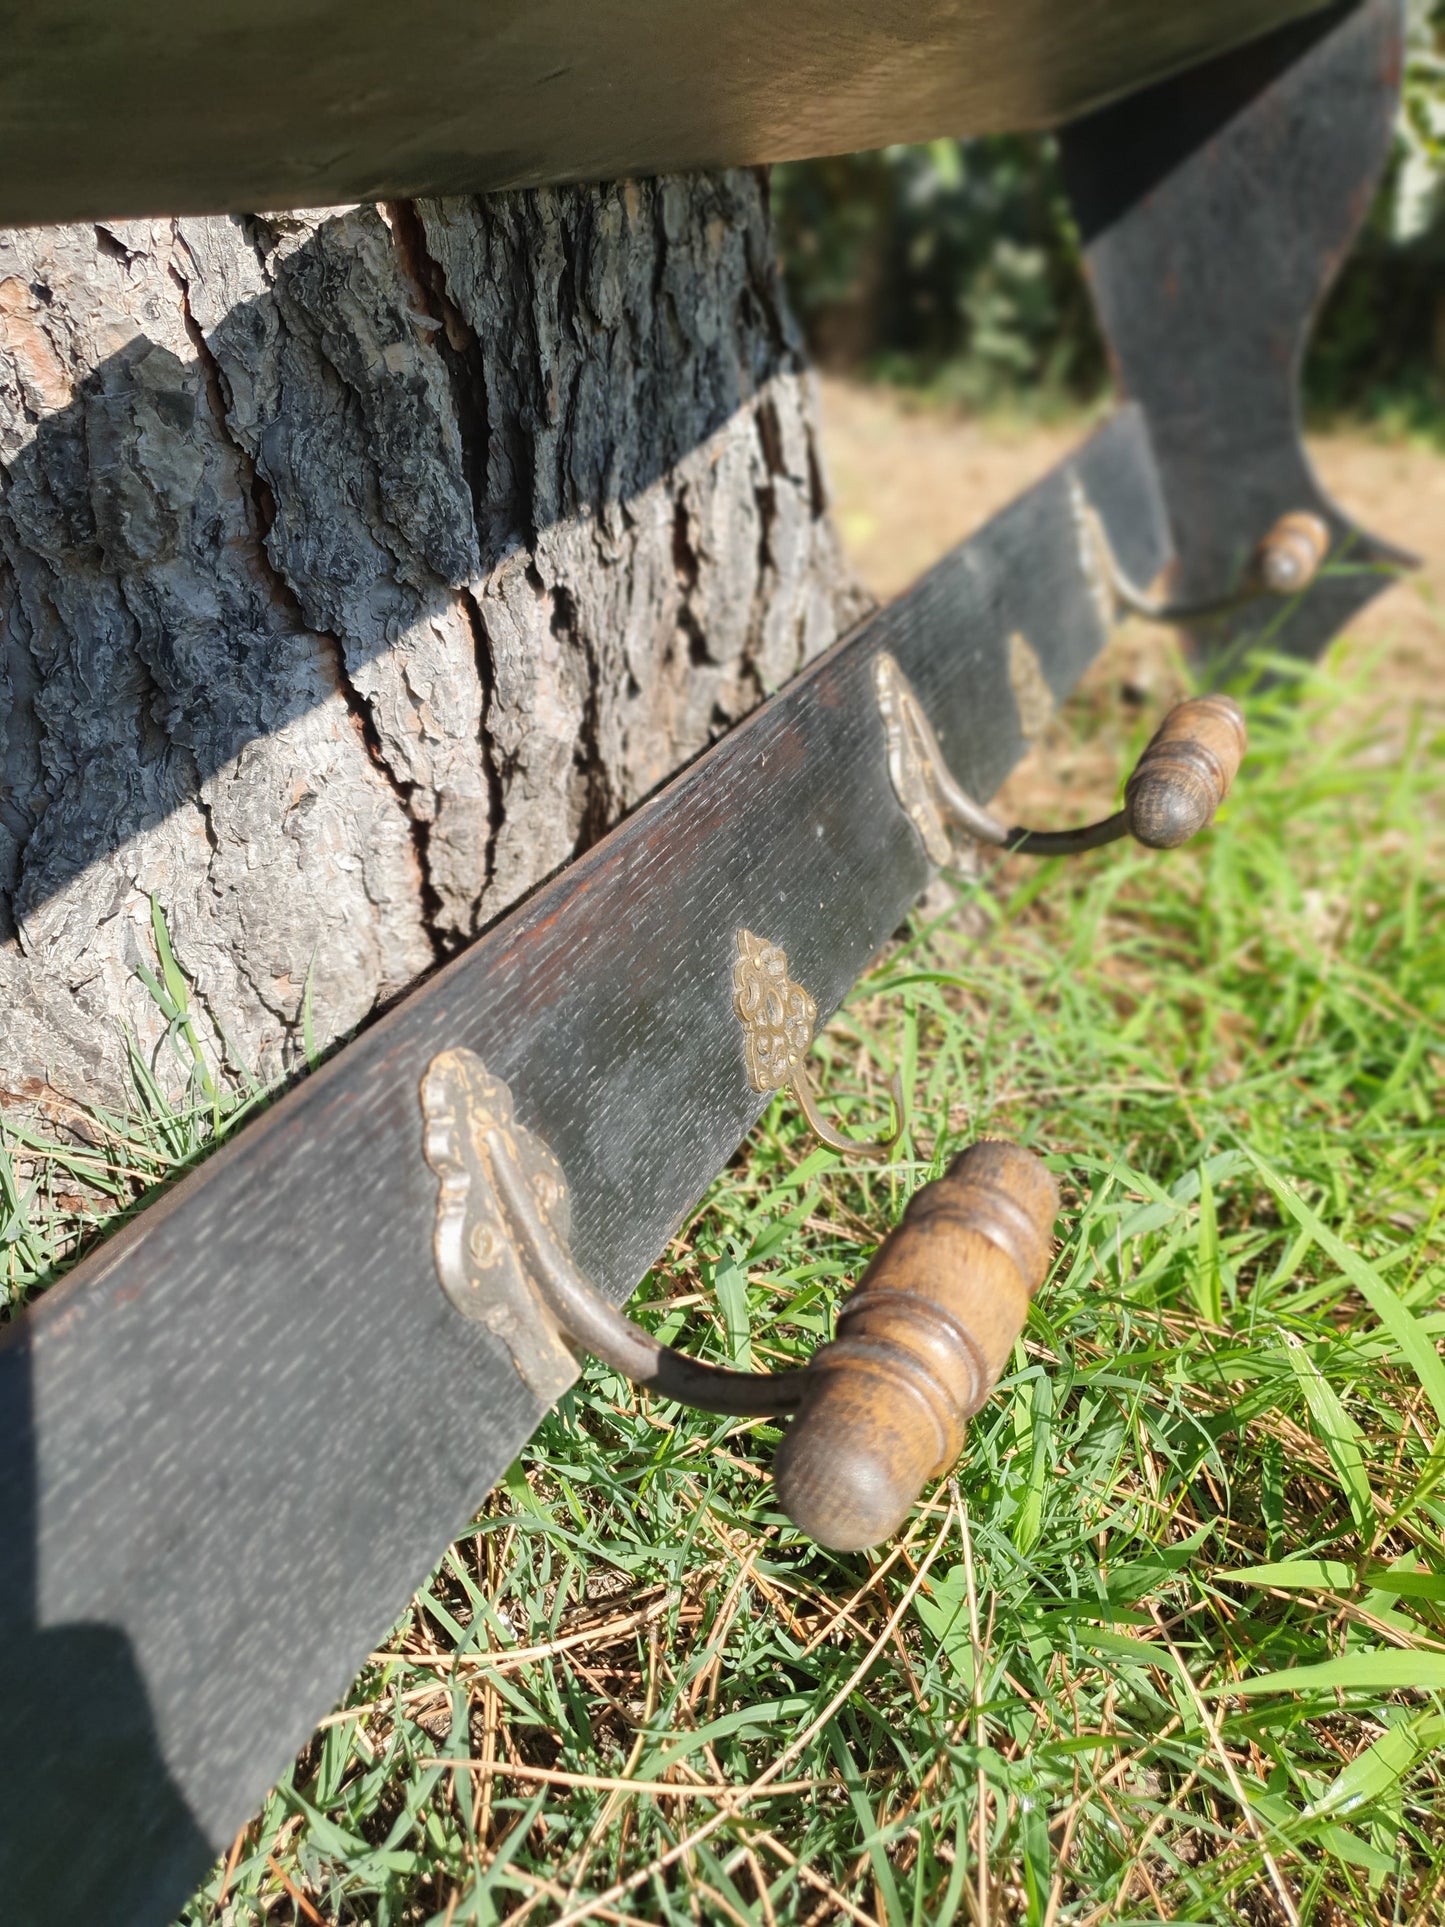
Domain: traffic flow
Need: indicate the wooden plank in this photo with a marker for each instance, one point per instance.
(134, 107)
(235, 1439)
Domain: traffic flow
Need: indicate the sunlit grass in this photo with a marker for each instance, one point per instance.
(62, 1187)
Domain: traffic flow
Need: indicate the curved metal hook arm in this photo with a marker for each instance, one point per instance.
(1088, 836)
(588, 1321)
(983, 825)
(802, 1088)
(1178, 783)
(1285, 561)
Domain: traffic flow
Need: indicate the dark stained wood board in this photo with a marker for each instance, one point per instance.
(244, 1429)
(139, 107)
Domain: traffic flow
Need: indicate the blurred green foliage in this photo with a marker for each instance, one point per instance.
(955, 266)
(953, 263)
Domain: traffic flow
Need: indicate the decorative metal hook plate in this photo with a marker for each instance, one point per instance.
(778, 1016)
(504, 1259)
(921, 779)
(1032, 695)
(913, 758)
(470, 1125)
(1096, 555)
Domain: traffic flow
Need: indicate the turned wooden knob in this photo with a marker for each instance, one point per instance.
(1289, 557)
(1185, 772)
(921, 1343)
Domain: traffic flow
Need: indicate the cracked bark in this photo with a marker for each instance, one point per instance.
(357, 568)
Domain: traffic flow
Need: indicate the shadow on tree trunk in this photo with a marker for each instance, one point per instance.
(392, 556)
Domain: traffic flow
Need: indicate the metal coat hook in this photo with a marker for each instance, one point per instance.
(1178, 783)
(778, 1019)
(881, 1410)
(1284, 563)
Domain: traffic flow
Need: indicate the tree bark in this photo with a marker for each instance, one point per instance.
(359, 567)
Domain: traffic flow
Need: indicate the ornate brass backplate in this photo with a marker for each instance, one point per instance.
(912, 758)
(777, 1015)
(470, 1123)
(1032, 695)
(1096, 555)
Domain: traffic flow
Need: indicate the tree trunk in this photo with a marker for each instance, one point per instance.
(359, 567)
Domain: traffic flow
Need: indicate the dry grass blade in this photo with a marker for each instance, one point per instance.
(755, 1788)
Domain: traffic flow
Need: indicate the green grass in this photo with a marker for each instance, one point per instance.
(60, 1191)
(1171, 1642)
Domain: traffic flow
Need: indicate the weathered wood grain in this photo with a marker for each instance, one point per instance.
(236, 1437)
(127, 107)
